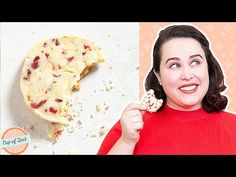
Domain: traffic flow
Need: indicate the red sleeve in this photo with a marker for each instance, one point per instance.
(110, 139)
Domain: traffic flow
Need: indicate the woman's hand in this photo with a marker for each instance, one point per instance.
(131, 123)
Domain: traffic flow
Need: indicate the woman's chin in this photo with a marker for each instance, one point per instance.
(192, 105)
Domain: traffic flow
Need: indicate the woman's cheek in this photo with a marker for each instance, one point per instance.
(202, 75)
(170, 80)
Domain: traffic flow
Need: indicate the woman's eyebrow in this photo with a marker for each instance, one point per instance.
(176, 58)
(196, 55)
(172, 58)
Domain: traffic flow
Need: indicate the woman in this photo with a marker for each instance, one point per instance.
(189, 80)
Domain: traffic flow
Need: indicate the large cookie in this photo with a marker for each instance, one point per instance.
(52, 71)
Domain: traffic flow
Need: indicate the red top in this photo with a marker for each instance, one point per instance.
(171, 131)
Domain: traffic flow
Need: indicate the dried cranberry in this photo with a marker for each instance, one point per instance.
(37, 105)
(57, 42)
(70, 59)
(28, 72)
(35, 65)
(36, 59)
(28, 75)
(52, 110)
(46, 54)
(57, 133)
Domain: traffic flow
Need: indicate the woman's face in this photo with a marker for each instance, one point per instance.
(183, 73)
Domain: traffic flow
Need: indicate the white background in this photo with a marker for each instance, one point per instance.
(120, 46)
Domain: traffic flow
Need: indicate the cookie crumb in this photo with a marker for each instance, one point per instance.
(103, 130)
(31, 127)
(107, 107)
(70, 117)
(93, 135)
(79, 122)
(98, 107)
(71, 130)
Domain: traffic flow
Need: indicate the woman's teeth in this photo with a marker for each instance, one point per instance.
(188, 88)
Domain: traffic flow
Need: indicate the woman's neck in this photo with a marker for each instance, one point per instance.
(183, 107)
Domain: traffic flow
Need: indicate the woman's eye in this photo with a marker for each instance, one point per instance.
(174, 65)
(195, 62)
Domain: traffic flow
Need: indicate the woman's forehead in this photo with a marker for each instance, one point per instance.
(181, 48)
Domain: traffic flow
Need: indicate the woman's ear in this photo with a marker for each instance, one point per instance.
(158, 76)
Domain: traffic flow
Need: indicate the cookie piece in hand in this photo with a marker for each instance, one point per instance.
(150, 102)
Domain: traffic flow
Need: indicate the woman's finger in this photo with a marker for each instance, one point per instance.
(138, 126)
(134, 106)
(133, 113)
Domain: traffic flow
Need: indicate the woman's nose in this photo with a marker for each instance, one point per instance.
(187, 73)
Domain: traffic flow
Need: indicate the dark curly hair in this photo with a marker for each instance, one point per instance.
(213, 101)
